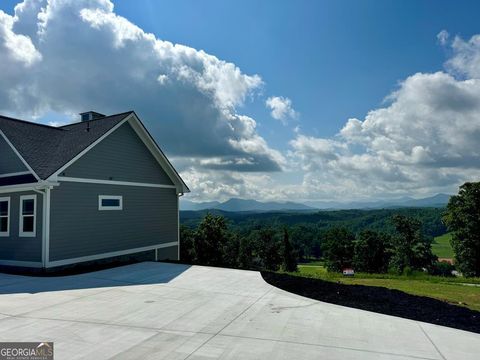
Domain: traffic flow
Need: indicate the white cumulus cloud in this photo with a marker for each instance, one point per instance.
(281, 108)
(66, 56)
(424, 141)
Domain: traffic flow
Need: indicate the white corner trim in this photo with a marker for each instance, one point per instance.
(109, 254)
(87, 149)
(45, 225)
(15, 174)
(31, 264)
(9, 216)
(112, 182)
(19, 156)
(178, 224)
(21, 233)
(101, 207)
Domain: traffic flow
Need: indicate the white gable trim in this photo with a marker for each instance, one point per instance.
(19, 156)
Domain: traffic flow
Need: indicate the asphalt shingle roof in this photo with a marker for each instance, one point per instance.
(46, 148)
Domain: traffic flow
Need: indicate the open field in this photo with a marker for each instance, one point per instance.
(441, 246)
(458, 291)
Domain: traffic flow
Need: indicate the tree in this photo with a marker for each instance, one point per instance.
(289, 259)
(410, 248)
(371, 252)
(187, 251)
(245, 253)
(301, 238)
(231, 250)
(462, 218)
(338, 248)
(269, 249)
(210, 238)
(317, 249)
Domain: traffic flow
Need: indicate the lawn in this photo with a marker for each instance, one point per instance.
(441, 246)
(458, 291)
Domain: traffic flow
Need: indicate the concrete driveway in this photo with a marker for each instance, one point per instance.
(166, 311)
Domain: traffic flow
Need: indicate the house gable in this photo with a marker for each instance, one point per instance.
(10, 163)
(121, 156)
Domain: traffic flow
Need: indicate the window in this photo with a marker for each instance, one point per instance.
(28, 212)
(5, 216)
(109, 202)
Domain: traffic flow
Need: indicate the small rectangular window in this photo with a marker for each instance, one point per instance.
(28, 212)
(5, 216)
(110, 202)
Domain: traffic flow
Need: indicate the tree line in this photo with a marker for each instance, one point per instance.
(371, 251)
(213, 242)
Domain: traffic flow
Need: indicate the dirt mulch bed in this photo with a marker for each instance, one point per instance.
(380, 300)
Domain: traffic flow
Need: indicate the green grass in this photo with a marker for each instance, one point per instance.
(441, 246)
(313, 263)
(453, 290)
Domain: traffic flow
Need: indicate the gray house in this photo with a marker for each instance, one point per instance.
(100, 188)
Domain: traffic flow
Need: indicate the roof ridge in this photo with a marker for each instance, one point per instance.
(89, 121)
(30, 122)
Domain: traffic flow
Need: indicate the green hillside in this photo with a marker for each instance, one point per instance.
(441, 246)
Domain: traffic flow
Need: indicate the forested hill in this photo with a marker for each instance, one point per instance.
(355, 220)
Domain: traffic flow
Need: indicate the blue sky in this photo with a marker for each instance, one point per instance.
(333, 60)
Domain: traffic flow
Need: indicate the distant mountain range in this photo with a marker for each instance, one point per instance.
(234, 204)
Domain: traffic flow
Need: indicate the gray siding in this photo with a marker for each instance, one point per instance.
(18, 248)
(170, 253)
(77, 228)
(121, 156)
(9, 161)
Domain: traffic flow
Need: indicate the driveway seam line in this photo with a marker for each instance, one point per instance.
(328, 346)
(431, 341)
(235, 318)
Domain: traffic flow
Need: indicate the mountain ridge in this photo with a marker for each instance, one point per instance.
(236, 204)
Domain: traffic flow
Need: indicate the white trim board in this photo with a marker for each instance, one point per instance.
(30, 264)
(15, 174)
(19, 156)
(112, 182)
(25, 187)
(109, 254)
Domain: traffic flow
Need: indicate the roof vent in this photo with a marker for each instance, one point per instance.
(91, 115)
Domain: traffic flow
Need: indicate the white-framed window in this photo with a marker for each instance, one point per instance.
(110, 202)
(28, 215)
(4, 216)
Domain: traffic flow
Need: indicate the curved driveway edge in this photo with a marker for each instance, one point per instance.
(169, 311)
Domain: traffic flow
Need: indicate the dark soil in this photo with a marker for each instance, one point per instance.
(380, 300)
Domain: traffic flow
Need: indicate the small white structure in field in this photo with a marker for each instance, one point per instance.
(348, 272)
